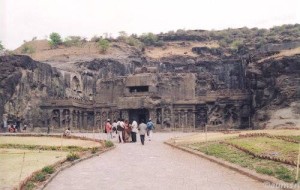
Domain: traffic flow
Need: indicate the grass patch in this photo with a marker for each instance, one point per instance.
(72, 156)
(29, 185)
(296, 138)
(264, 170)
(226, 152)
(108, 144)
(47, 141)
(40, 176)
(43, 147)
(94, 150)
(48, 169)
(284, 174)
(268, 146)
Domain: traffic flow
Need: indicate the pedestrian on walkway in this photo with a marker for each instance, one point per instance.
(142, 130)
(114, 127)
(134, 130)
(120, 129)
(150, 127)
(108, 129)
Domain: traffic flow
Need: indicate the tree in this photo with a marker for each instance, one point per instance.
(123, 36)
(103, 44)
(55, 39)
(1, 46)
(149, 39)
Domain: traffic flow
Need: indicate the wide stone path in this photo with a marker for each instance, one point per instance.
(152, 166)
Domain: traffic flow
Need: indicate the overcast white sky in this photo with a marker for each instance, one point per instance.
(24, 19)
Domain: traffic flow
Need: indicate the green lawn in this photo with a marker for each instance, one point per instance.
(11, 163)
(268, 146)
(39, 152)
(279, 170)
(47, 141)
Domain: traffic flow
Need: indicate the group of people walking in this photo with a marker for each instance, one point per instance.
(127, 132)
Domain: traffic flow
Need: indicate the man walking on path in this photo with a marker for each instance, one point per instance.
(150, 127)
(142, 131)
(120, 129)
(134, 130)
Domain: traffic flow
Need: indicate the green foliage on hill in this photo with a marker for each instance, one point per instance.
(149, 39)
(103, 45)
(27, 49)
(1, 46)
(55, 39)
(73, 41)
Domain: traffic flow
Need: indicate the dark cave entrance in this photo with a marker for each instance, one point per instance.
(138, 115)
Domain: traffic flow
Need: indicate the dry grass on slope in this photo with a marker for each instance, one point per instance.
(180, 48)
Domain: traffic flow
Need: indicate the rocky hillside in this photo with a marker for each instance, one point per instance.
(271, 59)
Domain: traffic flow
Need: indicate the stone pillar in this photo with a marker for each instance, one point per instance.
(80, 120)
(162, 118)
(95, 119)
(194, 118)
(186, 118)
(60, 118)
(85, 120)
(71, 118)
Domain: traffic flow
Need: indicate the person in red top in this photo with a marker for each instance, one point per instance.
(108, 129)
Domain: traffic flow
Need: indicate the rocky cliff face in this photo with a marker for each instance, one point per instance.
(263, 63)
(23, 82)
(275, 87)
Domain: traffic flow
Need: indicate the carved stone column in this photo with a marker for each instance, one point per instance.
(85, 120)
(60, 118)
(71, 118)
(80, 119)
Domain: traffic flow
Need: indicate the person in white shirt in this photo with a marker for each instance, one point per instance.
(142, 131)
(120, 129)
(114, 127)
(134, 130)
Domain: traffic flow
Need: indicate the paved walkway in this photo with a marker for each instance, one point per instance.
(152, 166)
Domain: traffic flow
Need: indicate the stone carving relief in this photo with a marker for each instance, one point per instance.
(167, 117)
(66, 119)
(55, 118)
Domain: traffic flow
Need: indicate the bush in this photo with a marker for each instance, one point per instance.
(95, 38)
(108, 144)
(48, 169)
(149, 39)
(73, 41)
(122, 36)
(94, 150)
(27, 49)
(41, 176)
(1, 46)
(29, 185)
(55, 39)
(236, 45)
(132, 41)
(72, 156)
(103, 45)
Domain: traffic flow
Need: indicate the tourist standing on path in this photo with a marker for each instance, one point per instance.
(114, 127)
(134, 130)
(150, 127)
(142, 131)
(108, 129)
(120, 129)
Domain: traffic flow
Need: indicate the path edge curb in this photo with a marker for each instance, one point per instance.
(72, 164)
(267, 180)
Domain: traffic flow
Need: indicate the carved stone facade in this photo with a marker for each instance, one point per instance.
(181, 96)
